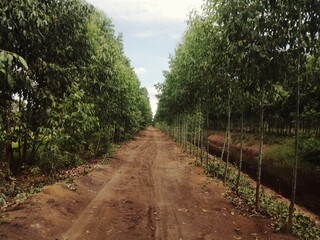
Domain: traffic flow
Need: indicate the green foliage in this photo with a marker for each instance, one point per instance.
(76, 94)
(310, 150)
(281, 154)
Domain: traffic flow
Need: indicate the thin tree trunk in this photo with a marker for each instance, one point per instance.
(223, 150)
(260, 150)
(296, 140)
(9, 156)
(241, 143)
(185, 133)
(228, 139)
(208, 135)
(20, 129)
(180, 131)
(201, 144)
(190, 137)
(25, 135)
(199, 141)
(195, 138)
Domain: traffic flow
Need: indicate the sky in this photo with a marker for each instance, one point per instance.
(151, 31)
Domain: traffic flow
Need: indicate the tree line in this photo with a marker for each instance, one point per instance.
(67, 89)
(247, 66)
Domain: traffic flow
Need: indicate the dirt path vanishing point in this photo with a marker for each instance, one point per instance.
(150, 190)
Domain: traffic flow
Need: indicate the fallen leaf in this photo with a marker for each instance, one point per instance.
(204, 210)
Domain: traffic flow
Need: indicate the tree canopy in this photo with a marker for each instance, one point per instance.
(66, 85)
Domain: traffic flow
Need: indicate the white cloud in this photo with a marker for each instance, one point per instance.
(152, 91)
(147, 10)
(175, 36)
(144, 35)
(140, 71)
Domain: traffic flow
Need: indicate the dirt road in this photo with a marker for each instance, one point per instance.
(150, 190)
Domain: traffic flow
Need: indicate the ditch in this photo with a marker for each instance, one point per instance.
(277, 177)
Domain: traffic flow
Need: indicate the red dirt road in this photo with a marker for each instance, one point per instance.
(149, 191)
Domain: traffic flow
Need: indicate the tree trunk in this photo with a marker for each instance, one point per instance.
(199, 140)
(20, 129)
(223, 150)
(260, 150)
(241, 143)
(9, 156)
(201, 144)
(8, 145)
(296, 139)
(25, 134)
(185, 133)
(208, 135)
(228, 139)
(191, 138)
(195, 138)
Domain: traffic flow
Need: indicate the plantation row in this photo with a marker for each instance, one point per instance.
(66, 89)
(248, 66)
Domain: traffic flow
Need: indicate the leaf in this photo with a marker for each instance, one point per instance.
(204, 210)
(6, 56)
(23, 62)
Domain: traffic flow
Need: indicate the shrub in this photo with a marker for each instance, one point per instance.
(281, 154)
(310, 150)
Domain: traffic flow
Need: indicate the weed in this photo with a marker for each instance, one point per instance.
(71, 184)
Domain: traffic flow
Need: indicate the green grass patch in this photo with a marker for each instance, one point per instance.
(281, 154)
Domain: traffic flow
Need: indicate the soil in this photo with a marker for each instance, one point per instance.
(150, 190)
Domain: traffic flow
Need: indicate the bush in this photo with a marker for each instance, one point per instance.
(281, 154)
(310, 150)
(52, 157)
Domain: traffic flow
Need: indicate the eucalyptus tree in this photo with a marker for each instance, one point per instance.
(303, 18)
(253, 37)
(255, 53)
(79, 90)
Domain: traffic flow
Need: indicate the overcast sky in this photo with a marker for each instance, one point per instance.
(151, 31)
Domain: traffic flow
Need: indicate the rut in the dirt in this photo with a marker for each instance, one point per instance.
(151, 190)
